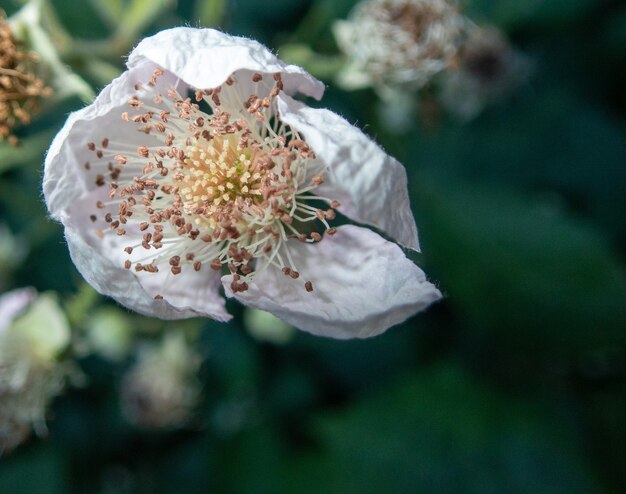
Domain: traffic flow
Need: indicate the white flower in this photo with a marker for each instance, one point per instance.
(159, 192)
(161, 389)
(396, 45)
(489, 69)
(33, 334)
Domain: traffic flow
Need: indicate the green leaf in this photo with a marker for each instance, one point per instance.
(36, 468)
(30, 150)
(210, 13)
(521, 270)
(139, 15)
(112, 11)
(441, 431)
(509, 13)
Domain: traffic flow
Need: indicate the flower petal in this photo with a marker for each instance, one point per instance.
(205, 58)
(362, 284)
(370, 185)
(101, 260)
(64, 178)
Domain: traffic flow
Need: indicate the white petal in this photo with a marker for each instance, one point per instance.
(205, 58)
(101, 262)
(64, 178)
(362, 285)
(13, 303)
(370, 185)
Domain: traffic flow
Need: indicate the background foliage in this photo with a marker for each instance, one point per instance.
(514, 383)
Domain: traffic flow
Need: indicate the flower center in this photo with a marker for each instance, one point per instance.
(230, 188)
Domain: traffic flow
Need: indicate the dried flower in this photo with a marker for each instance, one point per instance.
(396, 45)
(488, 70)
(33, 333)
(21, 88)
(161, 389)
(197, 160)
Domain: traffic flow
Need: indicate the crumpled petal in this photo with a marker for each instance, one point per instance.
(64, 178)
(205, 58)
(370, 185)
(70, 194)
(101, 260)
(362, 283)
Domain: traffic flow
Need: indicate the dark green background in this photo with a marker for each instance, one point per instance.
(515, 383)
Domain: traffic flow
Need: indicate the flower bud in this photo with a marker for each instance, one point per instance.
(161, 389)
(33, 335)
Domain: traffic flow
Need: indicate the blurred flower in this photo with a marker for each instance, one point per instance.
(488, 70)
(240, 177)
(398, 45)
(109, 334)
(162, 389)
(267, 327)
(21, 88)
(33, 334)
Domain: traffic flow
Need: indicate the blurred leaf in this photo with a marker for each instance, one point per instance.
(442, 432)
(112, 11)
(210, 13)
(551, 141)
(509, 13)
(521, 270)
(322, 66)
(139, 15)
(30, 150)
(36, 468)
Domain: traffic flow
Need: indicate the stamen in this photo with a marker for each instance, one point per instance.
(227, 189)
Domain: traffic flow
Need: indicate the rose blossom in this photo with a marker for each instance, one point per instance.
(197, 168)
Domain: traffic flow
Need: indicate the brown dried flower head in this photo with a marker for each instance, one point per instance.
(21, 88)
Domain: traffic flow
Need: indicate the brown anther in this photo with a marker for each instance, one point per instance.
(91, 146)
(99, 154)
(105, 143)
(316, 237)
(176, 270)
(125, 117)
(93, 218)
(308, 286)
(294, 274)
(197, 266)
(128, 250)
(330, 214)
(143, 151)
(174, 260)
(127, 264)
(100, 180)
(158, 297)
(335, 204)
(256, 77)
(317, 180)
(87, 165)
(331, 231)
(286, 271)
(122, 160)
(216, 264)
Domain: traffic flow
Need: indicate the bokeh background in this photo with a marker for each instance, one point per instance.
(515, 383)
